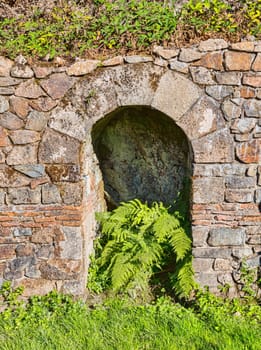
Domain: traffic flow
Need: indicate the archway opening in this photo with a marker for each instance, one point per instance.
(142, 154)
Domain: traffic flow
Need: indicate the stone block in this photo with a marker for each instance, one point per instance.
(212, 45)
(21, 71)
(4, 140)
(82, 67)
(71, 193)
(243, 126)
(134, 59)
(206, 279)
(238, 61)
(231, 110)
(7, 81)
(199, 235)
(4, 104)
(5, 66)
(240, 182)
(249, 152)
(10, 121)
(214, 148)
(31, 170)
(43, 104)
(11, 178)
(22, 231)
(243, 46)
(2, 197)
(229, 78)
(253, 108)
(258, 196)
(63, 173)
(241, 253)
(178, 66)
(29, 89)
(202, 264)
(45, 251)
(181, 96)
(208, 190)
(114, 61)
(24, 195)
(24, 250)
(257, 63)
(226, 236)
(219, 91)
(254, 262)
(213, 60)
(44, 235)
(7, 251)
(50, 194)
(222, 265)
(201, 75)
(36, 121)
(60, 269)
(252, 80)
(57, 148)
(71, 247)
(165, 53)
(57, 85)
(239, 196)
(42, 71)
(22, 137)
(189, 55)
(19, 155)
(7, 90)
(20, 106)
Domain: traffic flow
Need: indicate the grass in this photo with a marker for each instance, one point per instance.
(121, 325)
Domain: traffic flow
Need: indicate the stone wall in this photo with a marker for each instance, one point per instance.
(51, 184)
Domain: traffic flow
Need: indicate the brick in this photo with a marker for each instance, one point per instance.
(238, 61)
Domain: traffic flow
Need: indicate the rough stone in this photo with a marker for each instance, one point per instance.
(201, 264)
(19, 106)
(252, 80)
(184, 95)
(20, 59)
(57, 85)
(7, 81)
(4, 104)
(2, 157)
(199, 236)
(68, 122)
(5, 66)
(2, 197)
(43, 104)
(57, 148)
(243, 46)
(214, 148)
(21, 71)
(201, 75)
(36, 121)
(206, 279)
(239, 61)
(219, 91)
(71, 247)
(201, 119)
(138, 59)
(45, 251)
(212, 45)
(10, 121)
(253, 108)
(241, 253)
(32, 271)
(225, 236)
(160, 62)
(258, 196)
(22, 155)
(60, 269)
(9, 90)
(231, 110)
(4, 140)
(29, 89)
(22, 137)
(43, 235)
(252, 170)
(63, 173)
(229, 78)
(243, 125)
(24, 250)
(246, 92)
(239, 196)
(24, 195)
(222, 265)
(165, 53)
(22, 231)
(50, 194)
(10, 178)
(71, 193)
(249, 152)
(213, 60)
(82, 67)
(237, 182)
(208, 190)
(114, 61)
(189, 55)
(257, 63)
(254, 262)
(178, 66)
(31, 170)
(42, 71)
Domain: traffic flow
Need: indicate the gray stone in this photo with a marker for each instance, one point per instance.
(231, 110)
(222, 265)
(258, 196)
(214, 148)
(229, 78)
(20, 59)
(24, 195)
(203, 264)
(19, 155)
(212, 45)
(4, 104)
(82, 67)
(60, 269)
(71, 247)
(253, 108)
(252, 170)
(19, 264)
(50, 194)
(36, 121)
(45, 251)
(254, 262)
(31, 170)
(208, 190)
(138, 59)
(219, 169)
(224, 236)
(32, 272)
(243, 126)
(21, 71)
(201, 75)
(22, 231)
(241, 253)
(182, 94)
(160, 62)
(57, 148)
(202, 119)
(242, 137)
(71, 193)
(7, 90)
(22, 137)
(10, 121)
(165, 53)
(239, 196)
(199, 236)
(206, 279)
(219, 91)
(178, 66)
(2, 196)
(7, 81)
(240, 182)
(189, 55)
(68, 122)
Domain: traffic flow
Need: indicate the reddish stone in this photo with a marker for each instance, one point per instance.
(4, 141)
(252, 80)
(40, 181)
(238, 60)
(57, 85)
(29, 89)
(249, 152)
(244, 46)
(24, 250)
(42, 71)
(43, 104)
(257, 63)
(247, 92)
(43, 235)
(22, 137)
(115, 61)
(19, 106)
(5, 66)
(7, 251)
(211, 60)
(11, 178)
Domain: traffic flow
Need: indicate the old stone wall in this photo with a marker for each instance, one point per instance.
(51, 183)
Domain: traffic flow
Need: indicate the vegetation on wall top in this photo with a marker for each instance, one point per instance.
(104, 27)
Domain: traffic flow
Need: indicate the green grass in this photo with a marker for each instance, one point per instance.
(120, 325)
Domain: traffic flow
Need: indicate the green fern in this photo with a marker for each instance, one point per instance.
(136, 239)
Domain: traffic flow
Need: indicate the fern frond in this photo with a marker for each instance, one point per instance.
(183, 278)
